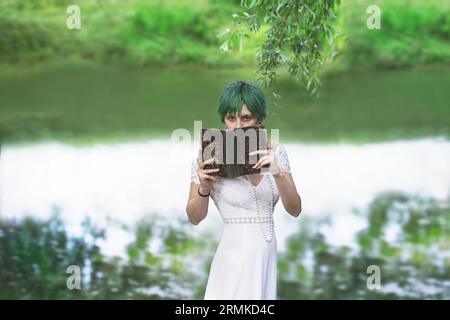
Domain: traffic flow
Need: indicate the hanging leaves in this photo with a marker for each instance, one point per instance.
(298, 35)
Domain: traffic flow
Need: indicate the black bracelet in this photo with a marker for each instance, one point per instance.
(202, 195)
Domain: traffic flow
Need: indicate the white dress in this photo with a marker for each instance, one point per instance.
(244, 266)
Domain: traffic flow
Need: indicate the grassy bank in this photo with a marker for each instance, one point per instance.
(160, 33)
(138, 33)
(412, 33)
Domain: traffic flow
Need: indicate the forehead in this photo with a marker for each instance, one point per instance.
(244, 111)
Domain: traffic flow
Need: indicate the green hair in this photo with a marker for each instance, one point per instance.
(240, 92)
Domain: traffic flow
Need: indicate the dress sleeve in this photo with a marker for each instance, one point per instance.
(194, 175)
(282, 159)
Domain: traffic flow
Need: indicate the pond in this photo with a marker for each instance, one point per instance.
(86, 104)
(370, 157)
(127, 181)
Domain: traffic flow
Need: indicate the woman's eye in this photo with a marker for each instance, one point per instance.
(247, 118)
(231, 118)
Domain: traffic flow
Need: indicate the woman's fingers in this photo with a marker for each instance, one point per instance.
(209, 170)
(264, 152)
(262, 164)
(261, 160)
(204, 163)
(204, 173)
(257, 165)
(267, 154)
(207, 177)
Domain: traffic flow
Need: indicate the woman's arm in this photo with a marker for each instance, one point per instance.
(201, 182)
(197, 206)
(288, 193)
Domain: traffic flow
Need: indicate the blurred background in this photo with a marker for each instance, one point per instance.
(92, 175)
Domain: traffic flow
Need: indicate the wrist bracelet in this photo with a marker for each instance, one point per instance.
(203, 195)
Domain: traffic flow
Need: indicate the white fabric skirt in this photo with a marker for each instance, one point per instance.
(244, 266)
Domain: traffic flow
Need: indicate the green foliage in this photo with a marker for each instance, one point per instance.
(299, 35)
(414, 261)
(35, 4)
(151, 20)
(137, 33)
(20, 40)
(412, 32)
(34, 256)
(161, 34)
(148, 33)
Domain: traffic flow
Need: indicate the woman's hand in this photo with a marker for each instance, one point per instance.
(206, 180)
(268, 157)
(286, 187)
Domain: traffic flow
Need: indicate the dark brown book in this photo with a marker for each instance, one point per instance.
(230, 149)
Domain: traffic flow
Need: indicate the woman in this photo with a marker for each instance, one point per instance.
(245, 263)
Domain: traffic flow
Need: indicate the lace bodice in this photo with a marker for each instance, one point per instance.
(235, 197)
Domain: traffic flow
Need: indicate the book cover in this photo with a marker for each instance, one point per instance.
(230, 149)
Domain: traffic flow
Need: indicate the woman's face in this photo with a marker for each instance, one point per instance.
(245, 119)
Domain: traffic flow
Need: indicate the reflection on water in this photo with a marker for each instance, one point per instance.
(164, 259)
(349, 219)
(128, 181)
(414, 260)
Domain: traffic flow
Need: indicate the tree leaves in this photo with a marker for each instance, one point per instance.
(300, 36)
